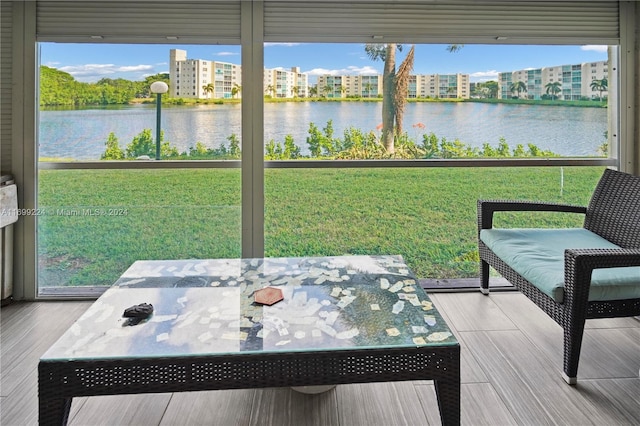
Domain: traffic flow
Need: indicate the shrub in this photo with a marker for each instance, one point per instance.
(144, 144)
(234, 146)
(113, 151)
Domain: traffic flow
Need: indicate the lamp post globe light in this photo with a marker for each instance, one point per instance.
(158, 87)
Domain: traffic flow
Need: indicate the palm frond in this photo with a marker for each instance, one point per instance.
(402, 87)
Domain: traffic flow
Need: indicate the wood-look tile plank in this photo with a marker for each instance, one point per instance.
(609, 353)
(616, 400)
(528, 381)
(283, 406)
(40, 322)
(13, 312)
(628, 322)
(138, 410)
(606, 352)
(472, 312)
(506, 380)
(520, 301)
(426, 392)
(470, 371)
(76, 405)
(211, 408)
(480, 405)
(379, 404)
(26, 338)
(20, 406)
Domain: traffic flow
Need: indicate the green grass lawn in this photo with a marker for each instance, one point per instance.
(428, 215)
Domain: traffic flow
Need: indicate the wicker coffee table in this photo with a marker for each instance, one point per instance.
(346, 319)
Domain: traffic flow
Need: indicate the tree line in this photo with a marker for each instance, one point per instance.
(59, 88)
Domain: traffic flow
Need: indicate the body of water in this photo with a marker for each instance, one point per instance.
(80, 134)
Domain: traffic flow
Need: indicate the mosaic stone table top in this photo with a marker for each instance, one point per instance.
(208, 307)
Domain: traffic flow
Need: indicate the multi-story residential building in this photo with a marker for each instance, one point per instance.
(339, 86)
(567, 82)
(201, 79)
(592, 71)
(301, 83)
(504, 81)
(447, 86)
(286, 84)
(226, 77)
(370, 86)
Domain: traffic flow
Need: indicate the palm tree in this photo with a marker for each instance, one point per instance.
(386, 53)
(208, 89)
(341, 89)
(327, 89)
(295, 90)
(236, 89)
(368, 87)
(599, 85)
(394, 87)
(313, 91)
(554, 88)
(488, 89)
(271, 89)
(518, 86)
(604, 84)
(402, 88)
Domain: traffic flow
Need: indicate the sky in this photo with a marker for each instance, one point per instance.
(91, 62)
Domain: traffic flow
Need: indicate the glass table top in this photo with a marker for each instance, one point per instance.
(207, 307)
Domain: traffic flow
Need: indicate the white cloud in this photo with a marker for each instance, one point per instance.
(481, 76)
(94, 72)
(350, 70)
(89, 69)
(594, 48)
(322, 71)
(134, 68)
(281, 44)
(362, 70)
(227, 54)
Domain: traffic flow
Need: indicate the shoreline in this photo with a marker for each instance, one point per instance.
(191, 102)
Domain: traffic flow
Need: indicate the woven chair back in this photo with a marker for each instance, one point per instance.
(614, 209)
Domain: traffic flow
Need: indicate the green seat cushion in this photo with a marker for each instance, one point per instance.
(538, 255)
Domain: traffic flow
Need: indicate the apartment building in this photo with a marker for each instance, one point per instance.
(572, 82)
(370, 86)
(202, 79)
(280, 83)
(442, 86)
(339, 86)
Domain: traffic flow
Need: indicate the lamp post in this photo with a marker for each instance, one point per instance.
(158, 87)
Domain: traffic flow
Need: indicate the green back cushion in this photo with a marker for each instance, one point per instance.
(538, 255)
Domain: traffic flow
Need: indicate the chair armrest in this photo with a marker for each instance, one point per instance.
(580, 263)
(486, 208)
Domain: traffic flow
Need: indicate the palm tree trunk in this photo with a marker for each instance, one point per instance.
(388, 110)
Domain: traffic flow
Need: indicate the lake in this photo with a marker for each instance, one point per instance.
(80, 134)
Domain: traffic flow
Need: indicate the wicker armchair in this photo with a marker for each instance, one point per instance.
(613, 214)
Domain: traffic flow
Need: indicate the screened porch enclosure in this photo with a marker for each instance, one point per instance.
(270, 215)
